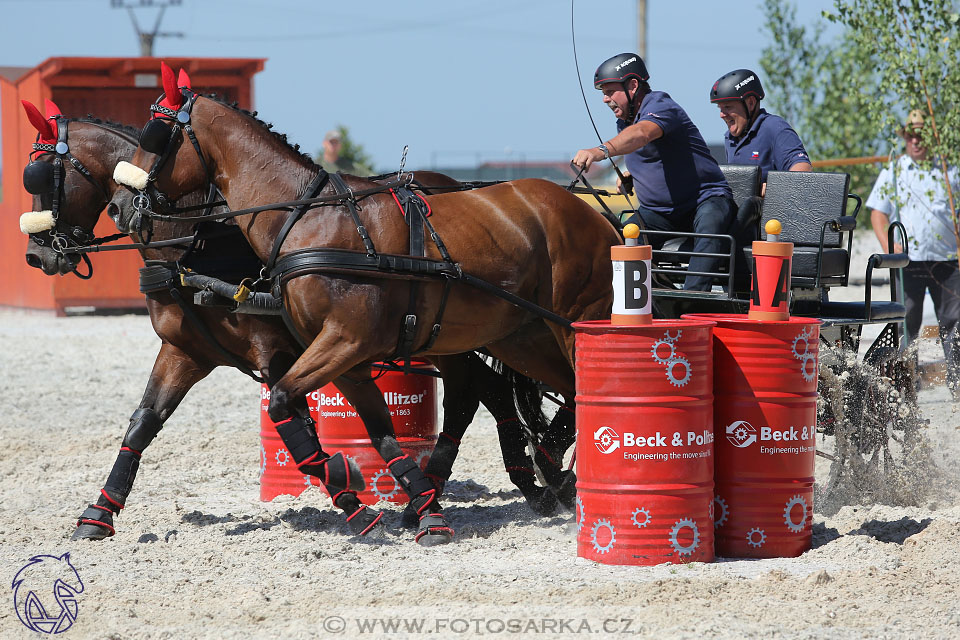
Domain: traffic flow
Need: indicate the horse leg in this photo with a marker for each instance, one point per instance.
(174, 373)
(340, 476)
(537, 354)
(496, 394)
(328, 356)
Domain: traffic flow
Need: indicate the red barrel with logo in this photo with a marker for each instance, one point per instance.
(765, 416)
(412, 400)
(644, 442)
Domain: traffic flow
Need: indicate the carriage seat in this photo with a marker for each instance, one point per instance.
(812, 209)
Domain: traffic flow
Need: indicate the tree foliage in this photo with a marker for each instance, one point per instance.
(914, 50)
(351, 152)
(817, 85)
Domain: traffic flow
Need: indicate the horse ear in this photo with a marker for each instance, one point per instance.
(183, 80)
(39, 123)
(170, 85)
(51, 108)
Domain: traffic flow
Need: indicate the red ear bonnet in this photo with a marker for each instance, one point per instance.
(47, 128)
(52, 111)
(172, 98)
(183, 80)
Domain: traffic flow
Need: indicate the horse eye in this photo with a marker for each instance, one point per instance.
(155, 136)
(38, 178)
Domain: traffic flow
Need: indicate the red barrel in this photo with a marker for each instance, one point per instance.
(644, 442)
(412, 400)
(765, 416)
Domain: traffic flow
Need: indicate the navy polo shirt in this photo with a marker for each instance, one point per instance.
(675, 171)
(770, 143)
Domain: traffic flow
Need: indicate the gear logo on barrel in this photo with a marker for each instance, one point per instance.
(680, 525)
(802, 351)
(282, 457)
(641, 517)
(263, 460)
(720, 511)
(756, 537)
(375, 485)
(664, 351)
(741, 434)
(797, 500)
(607, 440)
(581, 515)
(598, 525)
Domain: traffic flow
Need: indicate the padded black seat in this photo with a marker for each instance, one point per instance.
(805, 203)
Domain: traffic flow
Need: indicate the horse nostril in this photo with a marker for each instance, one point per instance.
(113, 211)
(34, 261)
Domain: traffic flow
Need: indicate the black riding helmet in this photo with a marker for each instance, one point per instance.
(621, 68)
(737, 85)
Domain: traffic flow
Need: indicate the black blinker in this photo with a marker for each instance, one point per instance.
(155, 136)
(38, 177)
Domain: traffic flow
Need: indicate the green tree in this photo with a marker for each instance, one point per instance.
(351, 152)
(823, 87)
(914, 49)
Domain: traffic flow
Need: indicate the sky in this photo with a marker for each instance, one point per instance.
(459, 82)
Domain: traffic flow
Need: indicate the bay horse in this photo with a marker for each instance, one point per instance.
(532, 240)
(248, 342)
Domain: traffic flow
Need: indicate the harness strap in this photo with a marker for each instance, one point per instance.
(313, 188)
(341, 187)
(317, 260)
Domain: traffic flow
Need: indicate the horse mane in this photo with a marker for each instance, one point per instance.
(126, 130)
(279, 137)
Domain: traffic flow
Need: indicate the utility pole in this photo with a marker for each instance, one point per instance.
(147, 37)
(642, 30)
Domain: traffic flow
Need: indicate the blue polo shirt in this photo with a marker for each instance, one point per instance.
(770, 143)
(675, 171)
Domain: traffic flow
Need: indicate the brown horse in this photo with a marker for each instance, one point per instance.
(530, 238)
(249, 342)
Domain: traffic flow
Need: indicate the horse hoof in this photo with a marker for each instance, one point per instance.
(91, 532)
(366, 522)
(542, 501)
(433, 531)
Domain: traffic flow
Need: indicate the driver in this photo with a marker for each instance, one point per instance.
(754, 136)
(679, 185)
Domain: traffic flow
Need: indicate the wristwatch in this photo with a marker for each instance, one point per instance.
(606, 152)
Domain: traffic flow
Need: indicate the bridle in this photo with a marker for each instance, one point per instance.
(160, 139)
(41, 178)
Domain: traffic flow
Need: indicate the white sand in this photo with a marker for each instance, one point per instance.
(198, 556)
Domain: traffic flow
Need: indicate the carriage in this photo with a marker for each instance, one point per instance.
(393, 268)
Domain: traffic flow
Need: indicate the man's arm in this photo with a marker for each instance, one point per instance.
(801, 166)
(632, 138)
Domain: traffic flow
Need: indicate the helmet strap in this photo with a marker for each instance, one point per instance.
(632, 106)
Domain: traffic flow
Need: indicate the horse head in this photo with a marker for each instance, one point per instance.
(69, 178)
(194, 142)
(163, 168)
